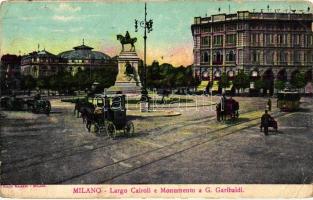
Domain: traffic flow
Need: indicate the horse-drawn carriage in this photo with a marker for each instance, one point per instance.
(106, 115)
(229, 107)
(271, 123)
(35, 105)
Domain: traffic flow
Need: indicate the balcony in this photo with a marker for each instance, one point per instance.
(230, 62)
(217, 62)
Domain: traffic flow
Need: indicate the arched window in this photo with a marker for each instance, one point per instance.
(206, 57)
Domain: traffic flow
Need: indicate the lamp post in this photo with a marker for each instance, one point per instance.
(147, 26)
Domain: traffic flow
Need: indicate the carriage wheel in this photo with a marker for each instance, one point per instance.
(100, 129)
(129, 129)
(237, 114)
(110, 129)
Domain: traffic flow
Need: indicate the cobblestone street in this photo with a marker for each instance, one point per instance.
(188, 148)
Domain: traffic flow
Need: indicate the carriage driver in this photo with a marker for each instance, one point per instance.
(265, 121)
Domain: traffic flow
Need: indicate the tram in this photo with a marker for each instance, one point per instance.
(288, 100)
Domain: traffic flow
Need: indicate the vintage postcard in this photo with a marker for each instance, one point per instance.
(156, 99)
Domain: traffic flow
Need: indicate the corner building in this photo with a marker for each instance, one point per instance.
(267, 46)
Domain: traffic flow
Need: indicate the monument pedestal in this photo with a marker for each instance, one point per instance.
(127, 80)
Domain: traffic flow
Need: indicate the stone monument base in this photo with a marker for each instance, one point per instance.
(127, 83)
(124, 88)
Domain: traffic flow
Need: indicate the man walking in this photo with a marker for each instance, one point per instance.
(269, 105)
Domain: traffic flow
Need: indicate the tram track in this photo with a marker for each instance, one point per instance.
(60, 154)
(167, 150)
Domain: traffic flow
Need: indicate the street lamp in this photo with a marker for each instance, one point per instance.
(147, 26)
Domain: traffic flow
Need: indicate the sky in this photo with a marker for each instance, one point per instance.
(59, 26)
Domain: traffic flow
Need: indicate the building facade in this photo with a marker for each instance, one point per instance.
(10, 71)
(40, 64)
(43, 63)
(83, 58)
(269, 46)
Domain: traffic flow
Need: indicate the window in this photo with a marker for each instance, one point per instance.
(269, 57)
(296, 39)
(279, 39)
(231, 39)
(231, 56)
(205, 57)
(217, 58)
(255, 38)
(269, 38)
(218, 28)
(283, 57)
(206, 30)
(205, 40)
(218, 40)
(231, 27)
(296, 56)
(255, 56)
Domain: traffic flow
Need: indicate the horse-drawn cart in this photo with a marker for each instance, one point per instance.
(229, 107)
(107, 115)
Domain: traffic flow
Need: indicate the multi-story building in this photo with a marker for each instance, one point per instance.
(40, 64)
(44, 63)
(270, 46)
(10, 71)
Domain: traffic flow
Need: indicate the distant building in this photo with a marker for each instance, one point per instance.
(10, 65)
(10, 71)
(43, 63)
(267, 46)
(83, 58)
(40, 64)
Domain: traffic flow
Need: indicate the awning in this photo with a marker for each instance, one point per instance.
(215, 86)
(202, 86)
(230, 86)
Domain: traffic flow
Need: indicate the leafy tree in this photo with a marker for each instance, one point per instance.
(298, 81)
(241, 81)
(279, 85)
(224, 82)
(259, 84)
(29, 83)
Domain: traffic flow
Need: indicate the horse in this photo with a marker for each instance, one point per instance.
(125, 40)
(231, 109)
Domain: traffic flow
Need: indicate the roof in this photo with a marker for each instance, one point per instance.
(84, 54)
(83, 47)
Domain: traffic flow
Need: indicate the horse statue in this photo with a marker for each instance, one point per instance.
(127, 40)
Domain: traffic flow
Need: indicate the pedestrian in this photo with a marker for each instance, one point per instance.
(269, 105)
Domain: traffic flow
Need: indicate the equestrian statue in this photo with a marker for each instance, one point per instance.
(127, 40)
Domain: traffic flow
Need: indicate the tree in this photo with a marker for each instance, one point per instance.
(298, 81)
(29, 83)
(259, 84)
(241, 81)
(279, 85)
(224, 82)
(40, 84)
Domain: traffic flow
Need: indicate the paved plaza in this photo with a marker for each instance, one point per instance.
(190, 147)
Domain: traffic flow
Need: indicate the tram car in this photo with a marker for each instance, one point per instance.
(288, 100)
(110, 115)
